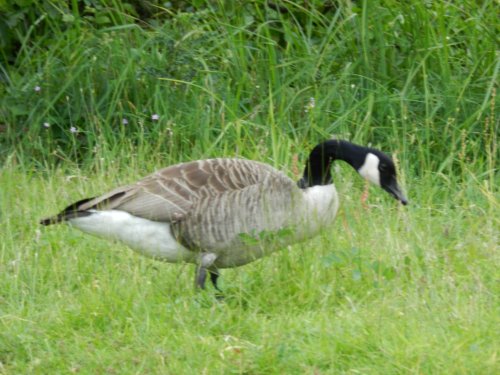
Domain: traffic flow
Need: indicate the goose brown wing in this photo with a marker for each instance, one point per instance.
(170, 193)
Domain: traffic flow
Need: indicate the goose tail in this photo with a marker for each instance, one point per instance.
(68, 213)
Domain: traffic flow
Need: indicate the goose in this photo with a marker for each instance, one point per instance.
(226, 212)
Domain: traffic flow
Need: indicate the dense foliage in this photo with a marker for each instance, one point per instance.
(407, 75)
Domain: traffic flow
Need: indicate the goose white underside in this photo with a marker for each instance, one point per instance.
(151, 238)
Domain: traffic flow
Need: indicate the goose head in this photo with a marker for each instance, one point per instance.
(379, 169)
(371, 164)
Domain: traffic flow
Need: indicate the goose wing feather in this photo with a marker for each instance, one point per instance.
(169, 194)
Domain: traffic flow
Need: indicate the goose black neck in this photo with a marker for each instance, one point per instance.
(318, 166)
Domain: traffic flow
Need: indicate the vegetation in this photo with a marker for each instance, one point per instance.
(87, 105)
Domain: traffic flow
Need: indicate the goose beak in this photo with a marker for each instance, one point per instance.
(394, 189)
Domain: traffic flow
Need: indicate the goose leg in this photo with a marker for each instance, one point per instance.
(206, 261)
(201, 277)
(214, 275)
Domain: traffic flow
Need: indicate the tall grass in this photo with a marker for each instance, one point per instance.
(386, 290)
(417, 78)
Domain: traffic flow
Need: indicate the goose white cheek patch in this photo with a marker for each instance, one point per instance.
(369, 169)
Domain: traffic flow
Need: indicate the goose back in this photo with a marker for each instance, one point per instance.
(169, 194)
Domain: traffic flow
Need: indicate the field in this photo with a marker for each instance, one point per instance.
(386, 290)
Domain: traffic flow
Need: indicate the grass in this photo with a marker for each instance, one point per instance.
(384, 290)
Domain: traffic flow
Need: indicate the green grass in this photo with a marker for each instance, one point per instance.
(385, 290)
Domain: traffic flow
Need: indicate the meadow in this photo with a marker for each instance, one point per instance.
(87, 106)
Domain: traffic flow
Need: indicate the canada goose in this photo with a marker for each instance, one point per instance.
(221, 213)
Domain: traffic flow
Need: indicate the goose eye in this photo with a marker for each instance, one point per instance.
(382, 167)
